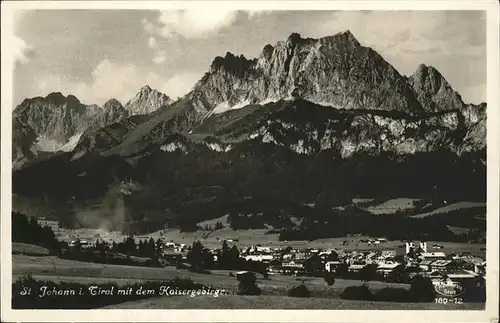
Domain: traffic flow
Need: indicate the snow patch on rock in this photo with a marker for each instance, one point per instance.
(219, 148)
(173, 146)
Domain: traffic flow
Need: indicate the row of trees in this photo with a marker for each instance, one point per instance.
(369, 273)
(27, 230)
(352, 220)
(228, 258)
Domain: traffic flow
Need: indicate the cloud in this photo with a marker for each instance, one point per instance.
(160, 57)
(21, 51)
(180, 84)
(113, 80)
(190, 24)
(152, 42)
(149, 27)
(159, 54)
(194, 23)
(410, 32)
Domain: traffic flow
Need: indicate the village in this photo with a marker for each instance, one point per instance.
(384, 264)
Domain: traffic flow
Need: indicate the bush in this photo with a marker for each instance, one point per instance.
(329, 278)
(247, 285)
(390, 294)
(422, 289)
(299, 291)
(359, 293)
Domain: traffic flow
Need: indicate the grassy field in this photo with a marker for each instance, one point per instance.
(55, 269)
(274, 302)
(451, 207)
(392, 206)
(29, 249)
(274, 290)
(246, 238)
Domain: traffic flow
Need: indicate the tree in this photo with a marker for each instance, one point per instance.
(329, 278)
(218, 225)
(234, 258)
(195, 255)
(332, 256)
(78, 246)
(114, 246)
(399, 259)
(342, 270)
(223, 256)
(129, 246)
(360, 293)
(399, 275)
(101, 247)
(299, 291)
(368, 272)
(207, 259)
(247, 285)
(422, 289)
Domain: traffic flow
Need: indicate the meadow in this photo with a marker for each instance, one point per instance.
(55, 269)
(277, 302)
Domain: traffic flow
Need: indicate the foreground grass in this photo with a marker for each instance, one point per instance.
(274, 302)
(55, 269)
(29, 249)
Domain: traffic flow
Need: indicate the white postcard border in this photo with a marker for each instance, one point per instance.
(493, 194)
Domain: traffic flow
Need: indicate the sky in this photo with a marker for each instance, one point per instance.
(97, 55)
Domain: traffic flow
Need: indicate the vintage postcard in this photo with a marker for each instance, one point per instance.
(288, 161)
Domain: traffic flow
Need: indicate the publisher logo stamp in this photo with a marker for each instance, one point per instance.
(449, 288)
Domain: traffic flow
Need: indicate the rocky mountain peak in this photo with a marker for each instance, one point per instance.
(294, 39)
(147, 100)
(145, 89)
(112, 104)
(334, 70)
(232, 64)
(433, 91)
(56, 98)
(267, 52)
(429, 78)
(341, 40)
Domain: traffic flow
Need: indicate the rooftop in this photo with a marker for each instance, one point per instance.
(388, 265)
(441, 263)
(434, 254)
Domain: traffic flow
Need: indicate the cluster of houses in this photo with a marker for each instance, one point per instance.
(442, 267)
(50, 222)
(307, 261)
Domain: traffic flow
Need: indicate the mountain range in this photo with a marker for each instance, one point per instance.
(308, 121)
(58, 122)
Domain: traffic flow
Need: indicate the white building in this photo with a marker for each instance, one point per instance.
(386, 268)
(434, 255)
(410, 245)
(331, 265)
(43, 222)
(261, 258)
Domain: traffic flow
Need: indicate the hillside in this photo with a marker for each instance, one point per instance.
(285, 141)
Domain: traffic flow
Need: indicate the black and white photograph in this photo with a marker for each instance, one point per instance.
(213, 156)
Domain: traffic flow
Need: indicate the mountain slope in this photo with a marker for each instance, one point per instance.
(58, 121)
(335, 71)
(310, 121)
(433, 91)
(146, 101)
(56, 117)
